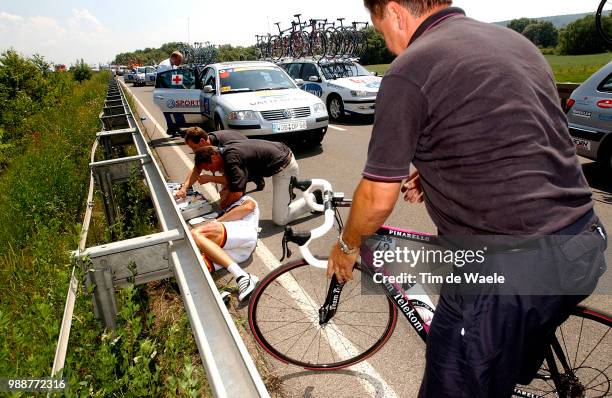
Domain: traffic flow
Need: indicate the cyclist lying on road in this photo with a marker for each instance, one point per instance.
(231, 239)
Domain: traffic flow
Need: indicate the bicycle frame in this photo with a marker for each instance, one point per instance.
(408, 304)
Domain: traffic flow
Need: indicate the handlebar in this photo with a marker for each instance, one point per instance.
(303, 239)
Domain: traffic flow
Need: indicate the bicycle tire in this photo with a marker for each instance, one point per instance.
(590, 380)
(598, 22)
(317, 45)
(299, 44)
(277, 46)
(341, 342)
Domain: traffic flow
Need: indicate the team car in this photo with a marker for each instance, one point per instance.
(590, 117)
(256, 98)
(129, 76)
(345, 86)
(145, 75)
(177, 95)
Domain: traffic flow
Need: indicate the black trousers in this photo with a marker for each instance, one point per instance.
(483, 342)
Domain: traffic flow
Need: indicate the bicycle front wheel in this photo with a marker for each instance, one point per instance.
(582, 359)
(284, 317)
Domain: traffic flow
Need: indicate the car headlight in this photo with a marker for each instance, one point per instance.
(359, 93)
(242, 115)
(320, 107)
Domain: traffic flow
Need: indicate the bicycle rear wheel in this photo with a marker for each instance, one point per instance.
(284, 317)
(602, 18)
(585, 345)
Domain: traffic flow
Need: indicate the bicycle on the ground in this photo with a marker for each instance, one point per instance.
(301, 317)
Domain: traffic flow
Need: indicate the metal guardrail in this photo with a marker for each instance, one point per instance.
(172, 252)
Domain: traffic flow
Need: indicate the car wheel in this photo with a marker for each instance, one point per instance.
(218, 123)
(335, 108)
(604, 160)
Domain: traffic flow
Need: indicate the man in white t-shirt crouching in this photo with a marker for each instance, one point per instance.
(231, 239)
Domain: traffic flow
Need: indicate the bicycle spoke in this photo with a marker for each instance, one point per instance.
(282, 302)
(360, 331)
(309, 345)
(593, 379)
(578, 345)
(600, 340)
(292, 336)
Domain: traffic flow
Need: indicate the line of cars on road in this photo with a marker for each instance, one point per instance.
(290, 101)
(141, 76)
(264, 99)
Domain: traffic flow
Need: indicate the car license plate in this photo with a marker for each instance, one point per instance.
(582, 144)
(289, 126)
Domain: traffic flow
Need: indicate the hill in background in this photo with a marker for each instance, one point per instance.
(559, 21)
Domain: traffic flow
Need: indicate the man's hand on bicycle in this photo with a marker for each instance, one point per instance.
(412, 189)
(341, 264)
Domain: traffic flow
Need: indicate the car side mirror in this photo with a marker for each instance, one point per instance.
(314, 79)
(208, 89)
(299, 82)
(374, 73)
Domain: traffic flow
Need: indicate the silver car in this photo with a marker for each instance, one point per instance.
(590, 117)
(260, 99)
(129, 76)
(145, 75)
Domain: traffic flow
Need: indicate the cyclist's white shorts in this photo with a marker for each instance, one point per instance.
(241, 239)
(239, 242)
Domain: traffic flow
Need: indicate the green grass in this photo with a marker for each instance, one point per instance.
(43, 190)
(576, 68)
(567, 68)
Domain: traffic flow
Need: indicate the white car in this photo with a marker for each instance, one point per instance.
(145, 75)
(177, 95)
(346, 87)
(256, 98)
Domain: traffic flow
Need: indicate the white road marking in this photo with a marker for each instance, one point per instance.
(331, 126)
(270, 262)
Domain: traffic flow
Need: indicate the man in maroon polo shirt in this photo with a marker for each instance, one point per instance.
(474, 107)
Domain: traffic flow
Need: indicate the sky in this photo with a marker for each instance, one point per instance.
(65, 30)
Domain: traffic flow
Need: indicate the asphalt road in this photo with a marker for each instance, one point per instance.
(397, 369)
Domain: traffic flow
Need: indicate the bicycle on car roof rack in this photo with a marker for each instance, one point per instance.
(316, 38)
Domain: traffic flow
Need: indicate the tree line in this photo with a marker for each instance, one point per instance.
(577, 38)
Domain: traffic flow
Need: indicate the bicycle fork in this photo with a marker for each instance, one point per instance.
(329, 307)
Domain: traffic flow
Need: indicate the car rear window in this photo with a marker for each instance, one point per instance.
(606, 84)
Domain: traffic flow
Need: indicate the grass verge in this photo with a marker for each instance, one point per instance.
(566, 68)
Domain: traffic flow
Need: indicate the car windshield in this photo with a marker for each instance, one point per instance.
(245, 79)
(141, 70)
(341, 69)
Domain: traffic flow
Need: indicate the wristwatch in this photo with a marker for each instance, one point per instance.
(345, 248)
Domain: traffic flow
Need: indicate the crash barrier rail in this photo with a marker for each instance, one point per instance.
(316, 38)
(200, 53)
(565, 90)
(172, 252)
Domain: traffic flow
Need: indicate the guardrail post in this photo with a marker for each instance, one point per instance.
(104, 296)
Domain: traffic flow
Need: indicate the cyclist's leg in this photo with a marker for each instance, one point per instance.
(283, 210)
(211, 250)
